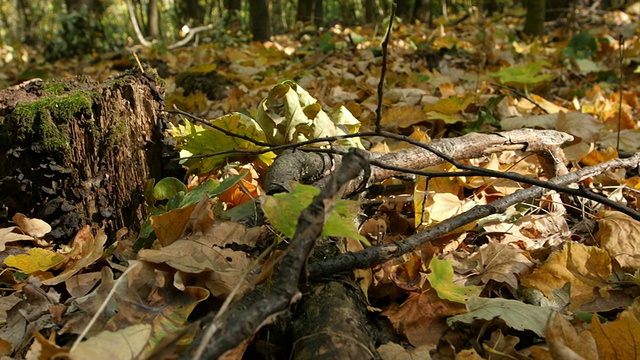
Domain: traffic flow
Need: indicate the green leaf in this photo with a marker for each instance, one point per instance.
(583, 46)
(441, 279)
(283, 211)
(515, 314)
(168, 187)
(527, 74)
(198, 140)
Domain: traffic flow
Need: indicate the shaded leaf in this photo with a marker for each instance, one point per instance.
(515, 314)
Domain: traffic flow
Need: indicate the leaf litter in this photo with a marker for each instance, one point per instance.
(542, 280)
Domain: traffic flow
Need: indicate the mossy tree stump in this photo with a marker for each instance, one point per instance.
(74, 152)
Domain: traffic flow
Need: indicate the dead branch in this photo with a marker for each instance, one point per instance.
(378, 254)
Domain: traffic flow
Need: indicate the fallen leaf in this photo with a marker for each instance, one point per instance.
(585, 267)
(86, 250)
(9, 234)
(124, 344)
(501, 263)
(36, 259)
(618, 339)
(566, 343)
(441, 279)
(515, 314)
(619, 235)
(393, 351)
(34, 227)
(421, 317)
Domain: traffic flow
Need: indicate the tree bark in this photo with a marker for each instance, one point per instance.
(534, 22)
(331, 324)
(259, 14)
(154, 19)
(80, 153)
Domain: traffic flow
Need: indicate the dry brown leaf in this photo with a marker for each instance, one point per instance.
(402, 117)
(501, 263)
(393, 351)
(421, 318)
(503, 347)
(618, 339)
(584, 127)
(565, 342)
(619, 235)
(585, 267)
(34, 227)
(43, 348)
(170, 225)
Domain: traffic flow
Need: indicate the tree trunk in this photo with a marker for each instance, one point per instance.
(370, 11)
(259, 18)
(80, 153)
(305, 10)
(317, 13)
(154, 19)
(534, 23)
(190, 12)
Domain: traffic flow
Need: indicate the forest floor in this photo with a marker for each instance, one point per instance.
(549, 276)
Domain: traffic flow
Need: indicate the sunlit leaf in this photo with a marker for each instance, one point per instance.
(36, 259)
(441, 279)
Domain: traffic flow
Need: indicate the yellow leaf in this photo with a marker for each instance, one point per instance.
(585, 267)
(37, 259)
(619, 339)
(402, 116)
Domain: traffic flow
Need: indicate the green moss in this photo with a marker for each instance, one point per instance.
(46, 120)
(53, 87)
(117, 133)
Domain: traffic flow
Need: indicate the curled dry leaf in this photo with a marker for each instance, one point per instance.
(565, 342)
(619, 235)
(34, 227)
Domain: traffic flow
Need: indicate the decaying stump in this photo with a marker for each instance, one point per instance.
(74, 152)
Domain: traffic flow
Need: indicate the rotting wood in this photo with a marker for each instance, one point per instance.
(77, 152)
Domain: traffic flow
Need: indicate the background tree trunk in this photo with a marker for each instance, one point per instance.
(534, 23)
(305, 10)
(80, 153)
(259, 14)
(154, 19)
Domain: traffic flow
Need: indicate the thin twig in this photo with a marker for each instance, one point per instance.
(385, 45)
(377, 254)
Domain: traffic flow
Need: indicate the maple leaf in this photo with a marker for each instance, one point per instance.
(501, 263)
